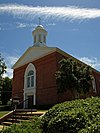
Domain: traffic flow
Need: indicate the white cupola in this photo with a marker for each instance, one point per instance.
(39, 35)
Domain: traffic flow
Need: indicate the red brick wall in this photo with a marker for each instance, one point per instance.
(45, 80)
(46, 90)
(46, 83)
(18, 82)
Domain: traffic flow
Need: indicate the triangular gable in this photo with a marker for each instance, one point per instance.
(33, 53)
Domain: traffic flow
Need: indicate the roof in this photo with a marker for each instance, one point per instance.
(39, 28)
(33, 53)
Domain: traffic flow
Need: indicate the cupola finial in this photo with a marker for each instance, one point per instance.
(39, 35)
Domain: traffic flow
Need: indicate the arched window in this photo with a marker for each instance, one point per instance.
(30, 84)
(30, 79)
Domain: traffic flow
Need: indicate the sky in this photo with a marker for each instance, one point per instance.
(72, 25)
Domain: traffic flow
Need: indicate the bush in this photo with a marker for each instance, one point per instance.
(79, 116)
(94, 128)
(5, 108)
(32, 126)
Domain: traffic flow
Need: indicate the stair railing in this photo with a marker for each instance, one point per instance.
(21, 106)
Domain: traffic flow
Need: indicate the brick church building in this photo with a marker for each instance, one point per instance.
(34, 73)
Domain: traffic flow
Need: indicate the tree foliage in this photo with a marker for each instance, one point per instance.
(5, 83)
(73, 76)
(6, 90)
(2, 69)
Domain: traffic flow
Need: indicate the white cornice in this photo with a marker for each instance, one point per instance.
(33, 53)
(41, 52)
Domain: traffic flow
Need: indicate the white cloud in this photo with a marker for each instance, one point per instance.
(94, 62)
(9, 26)
(9, 73)
(50, 24)
(62, 13)
(10, 61)
(23, 25)
(14, 25)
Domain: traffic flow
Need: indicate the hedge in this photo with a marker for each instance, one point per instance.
(32, 126)
(78, 116)
(5, 108)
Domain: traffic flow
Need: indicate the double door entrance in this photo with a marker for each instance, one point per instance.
(30, 101)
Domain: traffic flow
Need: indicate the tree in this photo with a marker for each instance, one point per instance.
(73, 76)
(2, 69)
(6, 90)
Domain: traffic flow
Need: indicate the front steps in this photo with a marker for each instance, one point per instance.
(20, 115)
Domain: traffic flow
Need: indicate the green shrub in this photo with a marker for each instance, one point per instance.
(94, 128)
(32, 126)
(79, 116)
(5, 108)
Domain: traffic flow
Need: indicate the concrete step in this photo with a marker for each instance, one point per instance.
(1, 127)
(5, 123)
(28, 113)
(20, 115)
(23, 117)
(13, 120)
(26, 110)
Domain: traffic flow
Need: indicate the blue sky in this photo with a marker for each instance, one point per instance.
(72, 25)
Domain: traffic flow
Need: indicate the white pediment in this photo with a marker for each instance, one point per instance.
(33, 53)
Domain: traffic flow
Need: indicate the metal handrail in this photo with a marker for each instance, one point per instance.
(22, 102)
(15, 107)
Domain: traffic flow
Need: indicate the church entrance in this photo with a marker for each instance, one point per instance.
(30, 86)
(30, 101)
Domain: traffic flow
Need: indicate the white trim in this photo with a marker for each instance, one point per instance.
(33, 53)
(94, 85)
(30, 91)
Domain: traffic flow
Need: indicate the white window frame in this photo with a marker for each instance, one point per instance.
(94, 85)
(32, 90)
(28, 69)
(29, 77)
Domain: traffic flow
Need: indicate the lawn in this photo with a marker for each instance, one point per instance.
(2, 113)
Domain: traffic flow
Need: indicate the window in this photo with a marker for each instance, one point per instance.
(94, 85)
(40, 38)
(35, 39)
(44, 39)
(30, 79)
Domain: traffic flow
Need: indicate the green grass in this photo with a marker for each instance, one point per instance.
(2, 113)
(42, 111)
